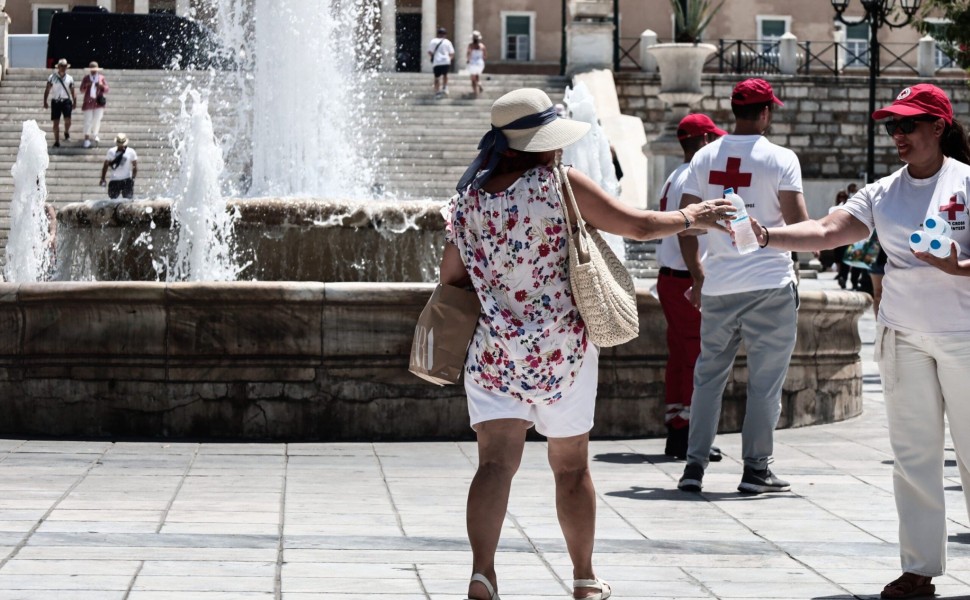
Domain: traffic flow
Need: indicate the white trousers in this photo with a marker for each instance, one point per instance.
(924, 378)
(92, 122)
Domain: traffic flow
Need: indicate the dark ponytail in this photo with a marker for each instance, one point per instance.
(954, 142)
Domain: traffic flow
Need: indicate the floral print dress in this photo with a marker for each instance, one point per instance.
(530, 339)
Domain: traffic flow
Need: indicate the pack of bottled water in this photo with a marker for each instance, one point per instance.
(934, 238)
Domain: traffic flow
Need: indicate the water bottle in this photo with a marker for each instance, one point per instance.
(744, 237)
(940, 246)
(919, 241)
(936, 226)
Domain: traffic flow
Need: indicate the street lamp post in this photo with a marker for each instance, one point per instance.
(878, 13)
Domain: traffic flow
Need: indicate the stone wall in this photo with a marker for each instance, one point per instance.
(823, 120)
(314, 361)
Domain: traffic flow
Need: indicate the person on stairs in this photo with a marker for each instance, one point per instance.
(476, 55)
(93, 88)
(63, 99)
(441, 52)
(123, 163)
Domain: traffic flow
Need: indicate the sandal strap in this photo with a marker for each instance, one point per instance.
(478, 577)
(596, 584)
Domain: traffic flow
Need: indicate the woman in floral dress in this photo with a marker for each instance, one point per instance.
(530, 362)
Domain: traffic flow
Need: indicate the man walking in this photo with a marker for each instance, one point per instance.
(123, 162)
(683, 319)
(441, 52)
(60, 92)
(749, 297)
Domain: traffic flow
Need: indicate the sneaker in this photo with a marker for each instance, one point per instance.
(693, 478)
(87, 143)
(715, 455)
(758, 482)
(67, 136)
(57, 144)
(676, 442)
(97, 139)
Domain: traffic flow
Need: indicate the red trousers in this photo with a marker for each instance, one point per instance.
(683, 347)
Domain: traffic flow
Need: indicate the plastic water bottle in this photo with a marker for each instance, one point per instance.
(744, 237)
(940, 246)
(919, 241)
(936, 226)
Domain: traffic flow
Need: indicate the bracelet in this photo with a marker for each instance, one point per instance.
(687, 222)
(767, 237)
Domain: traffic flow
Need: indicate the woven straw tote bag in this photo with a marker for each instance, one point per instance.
(602, 287)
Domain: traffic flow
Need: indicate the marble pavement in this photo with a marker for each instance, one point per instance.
(86, 520)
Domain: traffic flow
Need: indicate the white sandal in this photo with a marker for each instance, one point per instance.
(597, 584)
(492, 594)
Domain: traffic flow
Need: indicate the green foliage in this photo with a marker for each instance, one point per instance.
(693, 17)
(954, 36)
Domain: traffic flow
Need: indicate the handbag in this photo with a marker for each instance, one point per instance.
(443, 333)
(602, 287)
(863, 254)
(101, 100)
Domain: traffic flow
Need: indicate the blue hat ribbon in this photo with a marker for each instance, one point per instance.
(494, 143)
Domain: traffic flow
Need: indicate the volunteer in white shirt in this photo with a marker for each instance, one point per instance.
(441, 52)
(683, 319)
(923, 336)
(122, 162)
(63, 99)
(748, 297)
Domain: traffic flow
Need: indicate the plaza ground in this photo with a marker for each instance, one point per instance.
(214, 521)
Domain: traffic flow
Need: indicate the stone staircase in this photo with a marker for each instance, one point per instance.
(426, 145)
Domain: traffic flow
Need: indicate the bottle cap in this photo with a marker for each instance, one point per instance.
(729, 190)
(916, 237)
(936, 244)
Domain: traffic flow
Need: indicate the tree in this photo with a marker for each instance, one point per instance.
(952, 35)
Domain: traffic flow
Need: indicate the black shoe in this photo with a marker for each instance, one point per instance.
(67, 136)
(715, 455)
(57, 144)
(677, 442)
(693, 478)
(759, 482)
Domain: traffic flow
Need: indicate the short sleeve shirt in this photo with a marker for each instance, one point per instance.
(668, 254)
(757, 170)
(57, 90)
(442, 50)
(918, 297)
(123, 170)
(530, 340)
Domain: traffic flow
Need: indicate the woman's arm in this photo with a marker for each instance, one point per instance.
(836, 229)
(452, 269)
(606, 213)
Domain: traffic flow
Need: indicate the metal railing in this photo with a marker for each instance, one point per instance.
(630, 53)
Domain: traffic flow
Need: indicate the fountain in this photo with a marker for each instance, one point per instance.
(28, 247)
(299, 324)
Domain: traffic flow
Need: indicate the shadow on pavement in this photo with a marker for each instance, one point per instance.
(633, 458)
(959, 538)
(644, 493)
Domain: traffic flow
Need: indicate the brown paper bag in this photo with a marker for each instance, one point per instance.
(442, 335)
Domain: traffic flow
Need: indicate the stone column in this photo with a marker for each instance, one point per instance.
(389, 35)
(109, 4)
(183, 8)
(788, 54)
(141, 7)
(429, 26)
(926, 57)
(464, 25)
(4, 39)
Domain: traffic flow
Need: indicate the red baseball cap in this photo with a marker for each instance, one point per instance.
(695, 125)
(753, 91)
(919, 99)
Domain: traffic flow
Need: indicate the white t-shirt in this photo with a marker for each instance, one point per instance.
(757, 170)
(442, 49)
(668, 254)
(124, 169)
(918, 297)
(57, 90)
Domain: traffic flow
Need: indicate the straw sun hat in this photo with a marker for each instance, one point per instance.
(529, 101)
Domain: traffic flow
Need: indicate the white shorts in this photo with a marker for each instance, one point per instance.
(572, 415)
(476, 68)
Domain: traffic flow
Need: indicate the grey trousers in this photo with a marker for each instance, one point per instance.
(767, 322)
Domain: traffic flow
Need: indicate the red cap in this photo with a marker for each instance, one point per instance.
(695, 125)
(753, 91)
(919, 99)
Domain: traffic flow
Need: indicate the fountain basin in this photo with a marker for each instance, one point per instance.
(326, 361)
(291, 239)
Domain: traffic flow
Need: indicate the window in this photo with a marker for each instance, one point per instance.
(43, 13)
(770, 30)
(857, 45)
(518, 32)
(941, 58)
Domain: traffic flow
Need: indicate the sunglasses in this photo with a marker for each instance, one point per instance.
(907, 125)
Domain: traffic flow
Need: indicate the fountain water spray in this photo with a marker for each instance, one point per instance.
(29, 255)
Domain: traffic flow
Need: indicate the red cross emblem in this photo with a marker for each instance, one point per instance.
(663, 199)
(952, 208)
(732, 177)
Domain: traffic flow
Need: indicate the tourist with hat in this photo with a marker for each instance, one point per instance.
(122, 162)
(673, 287)
(743, 297)
(441, 52)
(923, 325)
(62, 99)
(93, 89)
(476, 54)
(530, 362)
